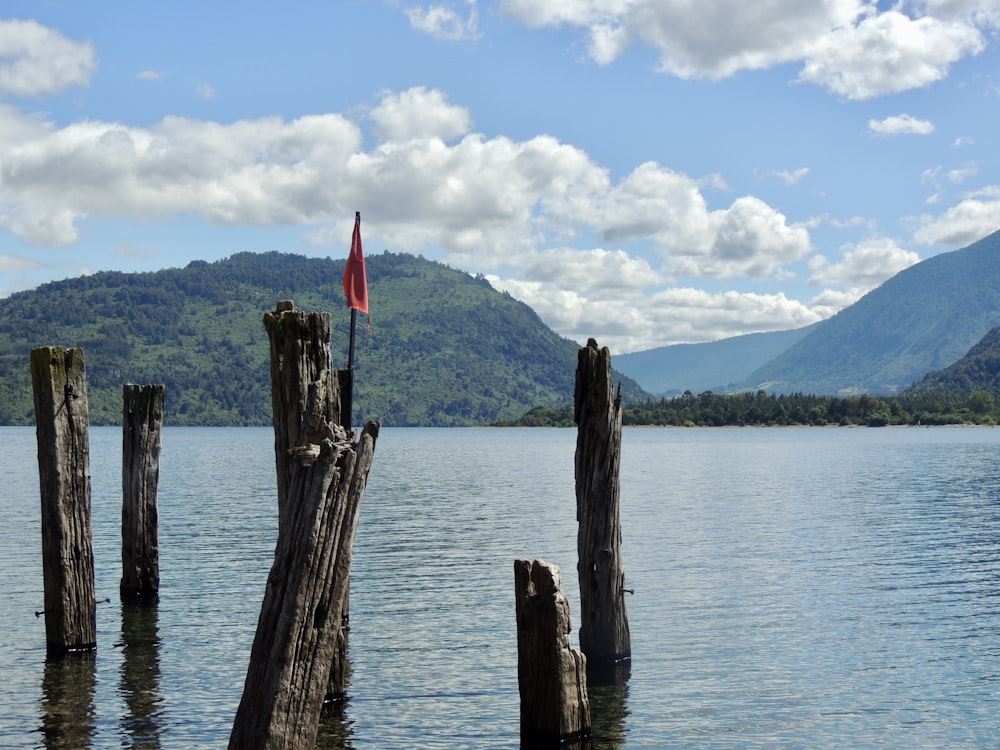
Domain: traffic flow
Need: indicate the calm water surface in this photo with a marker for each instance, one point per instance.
(793, 588)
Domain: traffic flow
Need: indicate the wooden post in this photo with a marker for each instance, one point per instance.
(59, 381)
(604, 633)
(142, 427)
(551, 675)
(306, 406)
(322, 474)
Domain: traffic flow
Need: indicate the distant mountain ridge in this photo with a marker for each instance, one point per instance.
(444, 347)
(921, 320)
(715, 365)
(924, 318)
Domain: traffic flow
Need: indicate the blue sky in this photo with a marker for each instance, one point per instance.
(646, 172)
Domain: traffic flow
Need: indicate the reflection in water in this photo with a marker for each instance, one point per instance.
(68, 701)
(335, 729)
(608, 713)
(140, 675)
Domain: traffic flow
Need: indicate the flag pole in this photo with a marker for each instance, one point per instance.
(356, 292)
(348, 393)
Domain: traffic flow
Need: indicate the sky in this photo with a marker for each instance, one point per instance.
(644, 172)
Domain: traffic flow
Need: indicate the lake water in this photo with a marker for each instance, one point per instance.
(796, 588)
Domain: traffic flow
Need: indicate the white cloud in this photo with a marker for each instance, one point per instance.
(829, 302)
(847, 46)
(888, 53)
(17, 263)
(984, 13)
(631, 321)
(36, 60)
(960, 174)
(901, 124)
(936, 175)
(149, 75)
(863, 267)
(260, 172)
(444, 22)
(657, 204)
(792, 177)
(588, 270)
(754, 240)
(206, 91)
(720, 39)
(129, 250)
(976, 216)
(487, 203)
(419, 113)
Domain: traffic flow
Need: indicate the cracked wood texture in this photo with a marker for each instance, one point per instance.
(59, 382)
(604, 632)
(551, 675)
(322, 474)
(142, 430)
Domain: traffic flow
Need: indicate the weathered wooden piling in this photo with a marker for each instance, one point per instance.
(142, 429)
(59, 382)
(551, 675)
(604, 632)
(322, 474)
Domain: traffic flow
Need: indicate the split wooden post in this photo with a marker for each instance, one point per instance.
(551, 675)
(59, 382)
(142, 428)
(322, 475)
(604, 632)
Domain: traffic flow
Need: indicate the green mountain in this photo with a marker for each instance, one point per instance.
(444, 348)
(979, 370)
(671, 370)
(922, 319)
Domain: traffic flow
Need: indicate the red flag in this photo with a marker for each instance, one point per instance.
(355, 277)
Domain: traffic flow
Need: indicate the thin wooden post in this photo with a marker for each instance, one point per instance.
(604, 632)
(142, 428)
(322, 474)
(551, 675)
(59, 382)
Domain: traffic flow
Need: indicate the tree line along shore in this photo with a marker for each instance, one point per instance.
(763, 409)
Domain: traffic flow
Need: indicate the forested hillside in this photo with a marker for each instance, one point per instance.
(978, 371)
(443, 348)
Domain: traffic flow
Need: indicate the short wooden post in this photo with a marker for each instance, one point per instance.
(142, 428)
(551, 675)
(604, 632)
(322, 475)
(59, 381)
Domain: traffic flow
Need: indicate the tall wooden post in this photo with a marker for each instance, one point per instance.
(604, 633)
(551, 675)
(322, 475)
(142, 428)
(59, 381)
